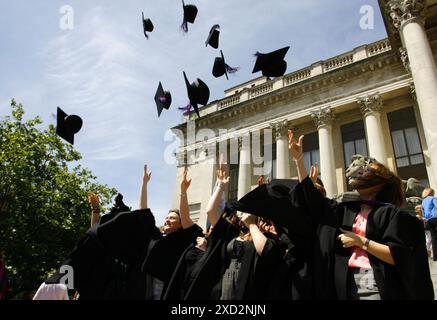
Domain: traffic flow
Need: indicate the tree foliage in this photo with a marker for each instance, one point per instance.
(43, 199)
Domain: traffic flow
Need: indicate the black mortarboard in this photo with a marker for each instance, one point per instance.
(67, 125)
(277, 202)
(220, 67)
(162, 99)
(198, 93)
(190, 13)
(271, 64)
(147, 26)
(213, 37)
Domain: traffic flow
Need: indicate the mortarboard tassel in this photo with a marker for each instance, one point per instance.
(230, 69)
(184, 26)
(186, 109)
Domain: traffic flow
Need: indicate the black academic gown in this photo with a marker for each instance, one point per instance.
(107, 259)
(163, 255)
(254, 273)
(184, 274)
(409, 278)
(292, 278)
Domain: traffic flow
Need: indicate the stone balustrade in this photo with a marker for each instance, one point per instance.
(262, 86)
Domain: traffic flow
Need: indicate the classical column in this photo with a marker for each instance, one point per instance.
(282, 153)
(244, 168)
(409, 18)
(323, 120)
(371, 107)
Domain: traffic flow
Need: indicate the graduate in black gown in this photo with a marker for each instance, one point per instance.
(127, 257)
(236, 264)
(164, 252)
(366, 249)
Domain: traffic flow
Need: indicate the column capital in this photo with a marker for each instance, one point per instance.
(241, 141)
(280, 129)
(413, 91)
(405, 61)
(323, 117)
(370, 103)
(406, 11)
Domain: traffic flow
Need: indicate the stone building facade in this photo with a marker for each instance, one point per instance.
(379, 99)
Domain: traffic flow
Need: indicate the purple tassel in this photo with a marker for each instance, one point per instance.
(230, 69)
(186, 109)
(184, 26)
(162, 99)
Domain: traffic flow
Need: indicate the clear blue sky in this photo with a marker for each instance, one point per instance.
(107, 72)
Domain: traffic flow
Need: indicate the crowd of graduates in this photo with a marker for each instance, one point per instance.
(284, 240)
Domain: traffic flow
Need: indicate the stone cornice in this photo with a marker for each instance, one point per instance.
(406, 11)
(306, 110)
(370, 103)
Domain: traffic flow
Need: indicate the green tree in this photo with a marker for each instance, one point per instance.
(43, 199)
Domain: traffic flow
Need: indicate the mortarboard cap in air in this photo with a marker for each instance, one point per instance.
(67, 125)
(213, 37)
(147, 26)
(190, 13)
(271, 64)
(221, 68)
(274, 201)
(162, 99)
(198, 93)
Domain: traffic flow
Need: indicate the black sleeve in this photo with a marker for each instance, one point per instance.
(163, 257)
(406, 239)
(320, 209)
(129, 232)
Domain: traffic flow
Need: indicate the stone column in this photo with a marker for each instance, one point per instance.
(371, 107)
(408, 17)
(282, 153)
(244, 167)
(323, 120)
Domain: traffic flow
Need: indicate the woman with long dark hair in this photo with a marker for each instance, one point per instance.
(366, 249)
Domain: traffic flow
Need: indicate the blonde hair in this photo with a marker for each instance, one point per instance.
(427, 192)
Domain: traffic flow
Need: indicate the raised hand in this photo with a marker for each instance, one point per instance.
(185, 184)
(314, 172)
(249, 219)
(147, 174)
(93, 200)
(261, 180)
(296, 148)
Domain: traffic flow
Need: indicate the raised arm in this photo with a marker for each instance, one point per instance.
(142, 203)
(213, 206)
(93, 200)
(184, 209)
(296, 150)
(259, 239)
